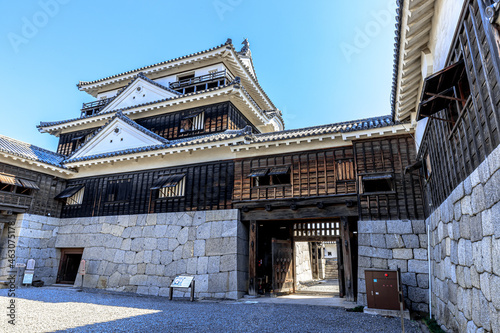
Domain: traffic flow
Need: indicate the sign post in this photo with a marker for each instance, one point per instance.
(30, 271)
(19, 273)
(182, 282)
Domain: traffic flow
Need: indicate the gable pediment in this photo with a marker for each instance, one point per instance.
(118, 135)
(140, 91)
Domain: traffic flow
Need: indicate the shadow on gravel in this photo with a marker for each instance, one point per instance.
(46, 309)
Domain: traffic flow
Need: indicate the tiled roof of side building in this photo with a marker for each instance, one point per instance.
(29, 151)
(343, 127)
(399, 12)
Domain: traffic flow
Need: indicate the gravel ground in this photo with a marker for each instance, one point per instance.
(49, 309)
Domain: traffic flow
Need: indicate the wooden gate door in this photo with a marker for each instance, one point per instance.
(283, 265)
(68, 267)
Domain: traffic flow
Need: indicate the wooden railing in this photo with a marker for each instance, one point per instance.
(91, 108)
(220, 77)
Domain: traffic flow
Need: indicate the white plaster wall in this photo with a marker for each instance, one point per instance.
(444, 22)
(331, 248)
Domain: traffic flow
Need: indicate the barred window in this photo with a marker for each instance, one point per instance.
(170, 186)
(193, 122)
(73, 195)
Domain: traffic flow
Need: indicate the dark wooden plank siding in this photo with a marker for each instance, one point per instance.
(313, 173)
(207, 186)
(40, 202)
(390, 155)
(455, 152)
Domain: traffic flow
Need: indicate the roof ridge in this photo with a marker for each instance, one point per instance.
(83, 83)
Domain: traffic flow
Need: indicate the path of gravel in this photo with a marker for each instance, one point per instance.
(47, 310)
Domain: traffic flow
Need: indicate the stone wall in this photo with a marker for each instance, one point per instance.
(393, 244)
(465, 237)
(303, 271)
(35, 237)
(143, 253)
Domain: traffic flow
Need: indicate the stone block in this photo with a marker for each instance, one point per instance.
(181, 266)
(201, 283)
(364, 261)
(160, 231)
(411, 241)
(486, 252)
(478, 200)
(228, 263)
(139, 280)
(178, 253)
(422, 238)
(173, 231)
(199, 248)
(182, 236)
(203, 231)
(364, 240)
(192, 265)
(418, 226)
(420, 254)
(372, 227)
(402, 253)
(418, 295)
(213, 264)
(409, 279)
(394, 241)
(162, 244)
(458, 193)
(378, 240)
(202, 266)
(218, 282)
(379, 263)
(172, 244)
(477, 256)
(230, 228)
(476, 230)
(492, 190)
(188, 249)
(418, 266)
(495, 250)
(398, 263)
(399, 227)
(423, 280)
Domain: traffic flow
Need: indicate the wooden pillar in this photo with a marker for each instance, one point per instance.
(346, 250)
(252, 258)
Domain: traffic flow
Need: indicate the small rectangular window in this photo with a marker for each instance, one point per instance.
(377, 183)
(271, 177)
(118, 190)
(73, 195)
(170, 186)
(193, 122)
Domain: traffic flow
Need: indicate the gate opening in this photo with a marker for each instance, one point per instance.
(68, 266)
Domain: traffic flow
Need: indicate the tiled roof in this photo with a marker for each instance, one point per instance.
(30, 152)
(59, 122)
(127, 120)
(343, 127)
(228, 134)
(84, 83)
(395, 66)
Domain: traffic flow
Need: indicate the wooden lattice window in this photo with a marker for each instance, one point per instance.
(73, 195)
(307, 231)
(193, 122)
(170, 186)
(274, 176)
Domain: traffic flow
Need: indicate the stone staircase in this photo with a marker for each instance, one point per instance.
(331, 269)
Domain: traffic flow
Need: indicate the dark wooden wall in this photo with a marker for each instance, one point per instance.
(208, 187)
(454, 154)
(218, 118)
(40, 202)
(390, 155)
(313, 173)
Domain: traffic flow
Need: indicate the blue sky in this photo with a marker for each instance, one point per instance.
(320, 62)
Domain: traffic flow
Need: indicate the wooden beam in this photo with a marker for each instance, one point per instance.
(306, 212)
(252, 258)
(346, 250)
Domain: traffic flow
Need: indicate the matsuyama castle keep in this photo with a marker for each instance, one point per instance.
(185, 167)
